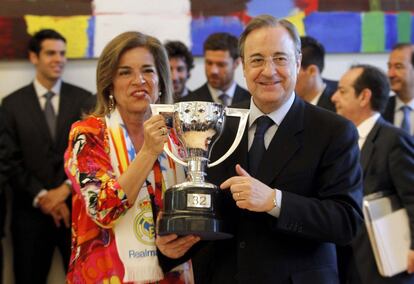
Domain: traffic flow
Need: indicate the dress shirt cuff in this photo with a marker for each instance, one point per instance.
(37, 197)
(275, 212)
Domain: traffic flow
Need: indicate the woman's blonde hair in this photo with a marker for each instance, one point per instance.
(109, 60)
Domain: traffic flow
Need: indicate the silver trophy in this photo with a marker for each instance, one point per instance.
(193, 207)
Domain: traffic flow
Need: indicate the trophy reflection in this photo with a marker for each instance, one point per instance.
(194, 206)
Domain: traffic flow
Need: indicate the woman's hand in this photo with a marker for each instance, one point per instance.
(173, 246)
(155, 135)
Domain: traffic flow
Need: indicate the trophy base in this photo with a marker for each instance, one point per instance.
(204, 227)
(191, 209)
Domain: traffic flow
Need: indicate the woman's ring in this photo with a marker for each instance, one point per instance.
(163, 131)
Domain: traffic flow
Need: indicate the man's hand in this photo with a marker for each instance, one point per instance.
(410, 262)
(173, 246)
(248, 192)
(61, 213)
(53, 197)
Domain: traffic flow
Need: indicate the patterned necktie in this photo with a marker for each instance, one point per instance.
(405, 123)
(50, 114)
(225, 99)
(258, 147)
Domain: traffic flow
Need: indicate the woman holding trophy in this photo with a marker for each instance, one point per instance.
(119, 171)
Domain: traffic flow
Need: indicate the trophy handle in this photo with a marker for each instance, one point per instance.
(244, 115)
(160, 108)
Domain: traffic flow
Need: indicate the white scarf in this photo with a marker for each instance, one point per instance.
(135, 231)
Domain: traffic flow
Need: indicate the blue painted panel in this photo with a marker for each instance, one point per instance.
(391, 31)
(412, 29)
(280, 10)
(337, 31)
(201, 28)
(91, 36)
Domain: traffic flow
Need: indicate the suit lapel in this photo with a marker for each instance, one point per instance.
(369, 146)
(284, 144)
(35, 112)
(325, 100)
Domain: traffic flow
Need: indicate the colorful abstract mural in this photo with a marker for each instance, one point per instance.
(343, 26)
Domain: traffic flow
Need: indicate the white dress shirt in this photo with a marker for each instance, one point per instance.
(365, 128)
(41, 91)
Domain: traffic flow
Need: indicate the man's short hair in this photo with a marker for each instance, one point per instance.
(35, 43)
(403, 45)
(265, 21)
(374, 79)
(313, 53)
(222, 41)
(178, 49)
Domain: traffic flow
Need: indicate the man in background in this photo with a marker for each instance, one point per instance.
(399, 110)
(387, 161)
(5, 165)
(38, 118)
(181, 63)
(310, 86)
(221, 59)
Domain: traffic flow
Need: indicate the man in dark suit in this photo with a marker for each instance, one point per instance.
(387, 160)
(399, 110)
(221, 59)
(310, 86)
(5, 165)
(38, 118)
(293, 193)
(181, 62)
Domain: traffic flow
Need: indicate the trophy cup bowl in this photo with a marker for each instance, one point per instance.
(195, 206)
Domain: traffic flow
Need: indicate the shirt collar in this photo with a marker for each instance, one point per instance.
(215, 93)
(185, 92)
(277, 116)
(399, 103)
(366, 126)
(41, 90)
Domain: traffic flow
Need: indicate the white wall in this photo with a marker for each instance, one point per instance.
(14, 74)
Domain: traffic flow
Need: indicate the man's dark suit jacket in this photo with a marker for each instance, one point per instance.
(314, 160)
(41, 156)
(203, 94)
(40, 164)
(4, 173)
(388, 113)
(325, 99)
(387, 160)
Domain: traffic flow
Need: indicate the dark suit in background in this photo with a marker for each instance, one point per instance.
(34, 234)
(5, 164)
(320, 178)
(203, 94)
(389, 111)
(325, 99)
(387, 159)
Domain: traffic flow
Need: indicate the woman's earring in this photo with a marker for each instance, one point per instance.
(159, 93)
(111, 104)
